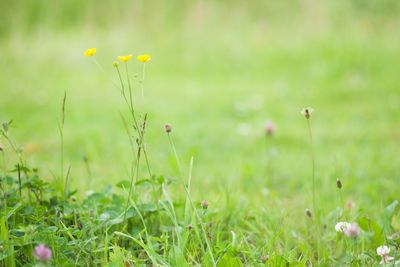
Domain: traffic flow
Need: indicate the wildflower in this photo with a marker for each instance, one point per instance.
(350, 204)
(90, 52)
(308, 212)
(342, 226)
(339, 183)
(168, 127)
(144, 58)
(383, 251)
(116, 64)
(270, 127)
(125, 58)
(204, 204)
(190, 227)
(306, 112)
(42, 253)
(353, 230)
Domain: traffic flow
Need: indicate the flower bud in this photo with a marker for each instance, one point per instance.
(269, 128)
(204, 204)
(306, 112)
(5, 126)
(116, 64)
(350, 204)
(339, 183)
(308, 212)
(190, 227)
(168, 127)
(73, 198)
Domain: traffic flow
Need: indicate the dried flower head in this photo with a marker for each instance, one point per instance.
(125, 58)
(384, 251)
(144, 58)
(353, 230)
(204, 204)
(42, 253)
(306, 112)
(339, 183)
(168, 127)
(269, 127)
(90, 52)
(342, 227)
(309, 214)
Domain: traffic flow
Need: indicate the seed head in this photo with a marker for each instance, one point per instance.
(306, 112)
(338, 183)
(204, 204)
(309, 214)
(168, 127)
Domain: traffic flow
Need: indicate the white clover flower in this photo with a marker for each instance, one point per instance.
(341, 227)
(353, 230)
(384, 251)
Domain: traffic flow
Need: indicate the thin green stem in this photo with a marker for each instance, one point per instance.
(190, 199)
(313, 166)
(143, 74)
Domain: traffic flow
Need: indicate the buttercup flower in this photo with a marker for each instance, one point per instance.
(90, 52)
(144, 58)
(270, 127)
(383, 251)
(42, 253)
(306, 112)
(342, 227)
(125, 58)
(353, 230)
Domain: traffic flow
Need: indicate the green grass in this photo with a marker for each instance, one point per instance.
(218, 71)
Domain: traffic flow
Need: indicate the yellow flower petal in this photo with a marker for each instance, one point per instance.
(125, 58)
(90, 52)
(144, 58)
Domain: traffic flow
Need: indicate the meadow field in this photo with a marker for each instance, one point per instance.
(219, 70)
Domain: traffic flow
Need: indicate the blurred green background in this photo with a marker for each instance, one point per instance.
(219, 70)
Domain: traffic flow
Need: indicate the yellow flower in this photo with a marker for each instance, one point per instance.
(125, 58)
(144, 58)
(90, 52)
